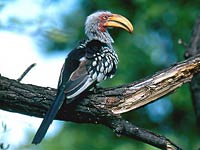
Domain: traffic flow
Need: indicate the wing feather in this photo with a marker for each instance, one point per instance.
(75, 78)
(79, 81)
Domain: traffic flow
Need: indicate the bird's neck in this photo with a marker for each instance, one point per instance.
(103, 37)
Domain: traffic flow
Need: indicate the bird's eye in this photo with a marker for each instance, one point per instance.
(104, 17)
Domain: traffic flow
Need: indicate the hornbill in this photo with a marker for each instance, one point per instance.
(92, 61)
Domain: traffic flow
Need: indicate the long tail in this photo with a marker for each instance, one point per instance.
(49, 117)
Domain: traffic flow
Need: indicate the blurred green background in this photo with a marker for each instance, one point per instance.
(158, 25)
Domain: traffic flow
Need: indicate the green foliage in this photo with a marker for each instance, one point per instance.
(87, 137)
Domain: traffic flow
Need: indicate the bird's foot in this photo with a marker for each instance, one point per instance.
(97, 89)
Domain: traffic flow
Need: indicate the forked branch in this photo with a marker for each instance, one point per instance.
(104, 106)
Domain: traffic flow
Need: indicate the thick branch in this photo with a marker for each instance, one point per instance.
(102, 107)
(34, 101)
(140, 93)
(19, 97)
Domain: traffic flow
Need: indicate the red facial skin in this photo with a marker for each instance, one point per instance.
(103, 18)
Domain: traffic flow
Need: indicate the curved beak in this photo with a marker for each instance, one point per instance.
(119, 21)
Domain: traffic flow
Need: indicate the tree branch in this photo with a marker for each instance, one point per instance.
(25, 72)
(116, 100)
(194, 49)
(104, 106)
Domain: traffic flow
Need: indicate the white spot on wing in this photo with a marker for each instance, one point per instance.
(82, 59)
(111, 76)
(91, 72)
(110, 67)
(102, 69)
(105, 71)
(100, 77)
(105, 77)
(94, 63)
(98, 68)
(103, 54)
(94, 76)
(106, 64)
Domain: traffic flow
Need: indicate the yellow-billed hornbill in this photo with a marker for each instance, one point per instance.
(92, 61)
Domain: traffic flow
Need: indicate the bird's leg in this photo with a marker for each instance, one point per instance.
(97, 88)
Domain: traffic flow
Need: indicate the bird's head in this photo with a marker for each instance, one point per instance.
(97, 23)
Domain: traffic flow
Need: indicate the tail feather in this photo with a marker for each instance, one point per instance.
(49, 117)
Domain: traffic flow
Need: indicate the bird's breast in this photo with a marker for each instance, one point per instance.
(103, 65)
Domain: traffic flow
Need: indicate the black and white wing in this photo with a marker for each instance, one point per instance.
(74, 79)
(86, 65)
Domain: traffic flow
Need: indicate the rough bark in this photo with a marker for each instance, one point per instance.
(19, 97)
(104, 106)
